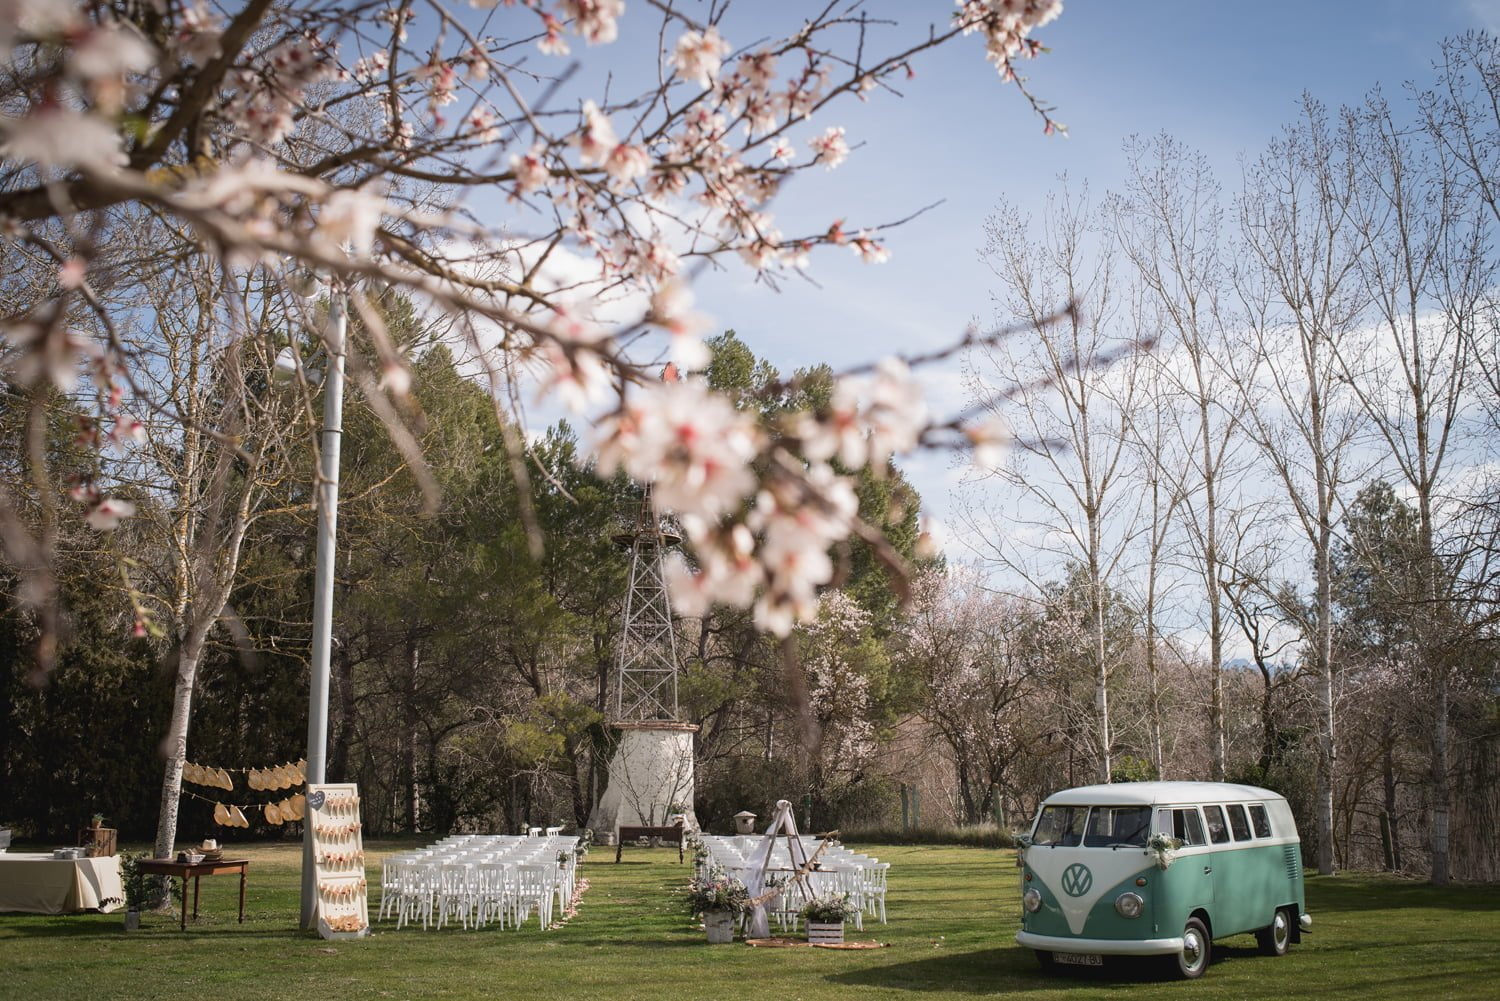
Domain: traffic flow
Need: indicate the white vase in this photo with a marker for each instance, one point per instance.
(825, 932)
(719, 925)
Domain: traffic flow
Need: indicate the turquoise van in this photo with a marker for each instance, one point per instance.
(1160, 869)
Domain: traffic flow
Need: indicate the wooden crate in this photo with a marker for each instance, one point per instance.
(100, 839)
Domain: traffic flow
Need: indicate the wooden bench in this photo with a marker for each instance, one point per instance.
(667, 834)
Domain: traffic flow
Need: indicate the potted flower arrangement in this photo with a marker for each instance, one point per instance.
(720, 899)
(825, 918)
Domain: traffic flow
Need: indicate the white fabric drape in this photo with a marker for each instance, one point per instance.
(784, 823)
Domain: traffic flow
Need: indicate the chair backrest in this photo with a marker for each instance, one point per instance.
(453, 878)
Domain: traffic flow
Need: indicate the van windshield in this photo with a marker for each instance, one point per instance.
(1092, 827)
(1060, 825)
(1117, 825)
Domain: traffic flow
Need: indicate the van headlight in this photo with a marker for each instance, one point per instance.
(1129, 905)
(1032, 900)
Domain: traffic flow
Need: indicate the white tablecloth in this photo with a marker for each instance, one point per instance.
(40, 884)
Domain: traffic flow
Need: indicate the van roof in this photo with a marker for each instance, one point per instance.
(1151, 793)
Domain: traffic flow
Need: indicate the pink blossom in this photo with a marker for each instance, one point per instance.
(127, 429)
(56, 136)
(830, 147)
(198, 32)
(758, 68)
(72, 272)
(45, 351)
(990, 439)
(595, 20)
(869, 249)
(626, 162)
(552, 42)
(781, 150)
(671, 309)
(395, 377)
(530, 169)
(688, 441)
(106, 515)
(349, 219)
(699, 55)
(481, 124)
(596, 140)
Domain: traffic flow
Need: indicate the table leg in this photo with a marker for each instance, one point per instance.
(196, 881)
(242, 896)
(184, 902)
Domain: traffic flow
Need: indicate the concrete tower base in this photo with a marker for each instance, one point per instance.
(651, 770)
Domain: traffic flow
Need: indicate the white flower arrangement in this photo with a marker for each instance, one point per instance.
(1162, 846)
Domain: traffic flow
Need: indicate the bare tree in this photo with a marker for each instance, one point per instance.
(1426, 272)
(1299, 283)
(1067, 478)
(1170, 227)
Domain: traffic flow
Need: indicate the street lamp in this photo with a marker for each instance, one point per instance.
(322, 630)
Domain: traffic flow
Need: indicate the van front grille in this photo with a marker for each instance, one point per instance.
(1293, 861)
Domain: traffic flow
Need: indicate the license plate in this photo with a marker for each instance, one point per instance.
(1079, 958)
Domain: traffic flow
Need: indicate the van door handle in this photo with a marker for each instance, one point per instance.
(1207, 869)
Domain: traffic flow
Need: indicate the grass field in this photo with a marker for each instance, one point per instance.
(953, 915)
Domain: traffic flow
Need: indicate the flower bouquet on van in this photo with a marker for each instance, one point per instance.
(1163, 846)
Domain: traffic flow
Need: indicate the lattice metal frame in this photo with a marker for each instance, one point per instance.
(646, 675)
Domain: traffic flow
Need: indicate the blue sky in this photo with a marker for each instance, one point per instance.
(1222, 77)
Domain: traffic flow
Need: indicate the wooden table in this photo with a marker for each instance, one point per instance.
(195, 871)
(668, 834)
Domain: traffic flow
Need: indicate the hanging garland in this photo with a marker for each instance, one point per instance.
(261, 779)
(233, 814)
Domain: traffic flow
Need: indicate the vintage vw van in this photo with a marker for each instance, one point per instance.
(1160, 868)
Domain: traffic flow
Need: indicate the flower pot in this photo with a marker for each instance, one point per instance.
(132, 920)
(825, 932)
(719, 925)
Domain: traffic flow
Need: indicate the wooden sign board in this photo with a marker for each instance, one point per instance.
(339, 860)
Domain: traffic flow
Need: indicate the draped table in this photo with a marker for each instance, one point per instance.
(40, 884)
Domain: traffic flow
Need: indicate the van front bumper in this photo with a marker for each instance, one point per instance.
(1102, 946)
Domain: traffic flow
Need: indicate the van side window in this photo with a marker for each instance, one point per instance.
(1261, 820)
(1238, 823)
(1187, 827)
(1218, 831)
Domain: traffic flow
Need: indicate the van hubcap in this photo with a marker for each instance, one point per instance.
(1281, 929)
(1192, 950)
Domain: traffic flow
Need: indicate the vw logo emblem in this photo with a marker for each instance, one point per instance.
(1076, 879)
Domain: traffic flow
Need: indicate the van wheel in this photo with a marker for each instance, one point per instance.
(1197, 948)
(1276, 937)
(1045, 961)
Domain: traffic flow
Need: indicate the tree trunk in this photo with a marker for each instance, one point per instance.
(175, 746)
(1389, 832)
(1440, 791)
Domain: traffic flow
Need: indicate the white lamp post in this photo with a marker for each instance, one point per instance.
(322, 631)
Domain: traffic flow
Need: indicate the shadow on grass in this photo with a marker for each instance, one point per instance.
(989, 971)
(1015, 970)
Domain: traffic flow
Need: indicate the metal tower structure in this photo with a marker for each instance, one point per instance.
(646, 679)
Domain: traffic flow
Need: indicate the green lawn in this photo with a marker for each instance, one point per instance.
(953, 914)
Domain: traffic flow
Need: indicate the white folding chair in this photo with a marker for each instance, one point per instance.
(495, 893)
(417, 881)
(874, 877)
(535, 887)
(455, 892)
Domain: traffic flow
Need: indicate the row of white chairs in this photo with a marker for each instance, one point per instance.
(840, 872)
(479, 879)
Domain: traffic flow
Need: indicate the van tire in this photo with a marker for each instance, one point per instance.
(1276, 937)
(1044, 960)
(1191, 962)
